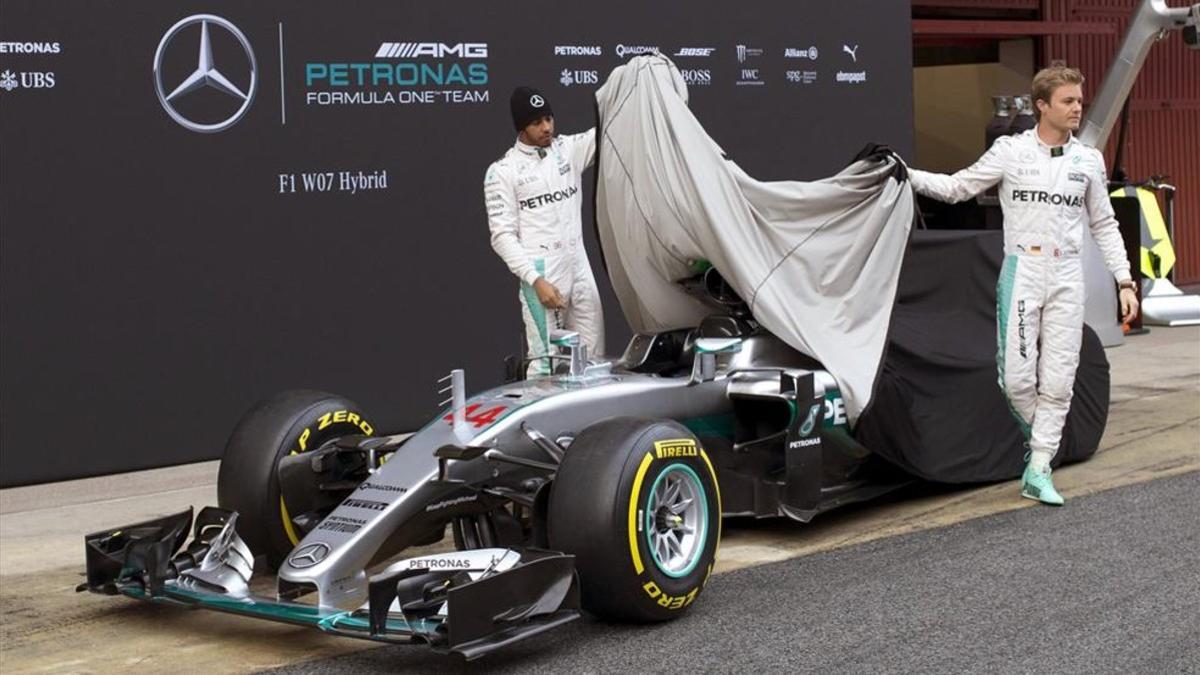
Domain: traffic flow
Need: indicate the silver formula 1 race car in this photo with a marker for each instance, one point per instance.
(599, 488)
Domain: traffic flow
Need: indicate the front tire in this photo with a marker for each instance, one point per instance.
(292, 422)
(638, 504)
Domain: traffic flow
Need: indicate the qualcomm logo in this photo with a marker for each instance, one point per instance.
(206, 74)
(569, 77)
(631, 50)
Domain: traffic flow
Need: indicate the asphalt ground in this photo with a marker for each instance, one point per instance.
(1108, 584)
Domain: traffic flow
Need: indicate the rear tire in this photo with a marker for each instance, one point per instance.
(290, 422)
(637, 502)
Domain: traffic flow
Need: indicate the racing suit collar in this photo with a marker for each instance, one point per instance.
(1048, 149)
(530, 150)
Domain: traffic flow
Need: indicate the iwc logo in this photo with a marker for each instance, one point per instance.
(207, 74)
(309, 555)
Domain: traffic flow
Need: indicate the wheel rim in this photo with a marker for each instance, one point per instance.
(677, 520)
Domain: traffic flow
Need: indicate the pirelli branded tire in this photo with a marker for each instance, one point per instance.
(291, 422)
(638, 503)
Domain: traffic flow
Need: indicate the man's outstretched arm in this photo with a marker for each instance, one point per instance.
(967, 183)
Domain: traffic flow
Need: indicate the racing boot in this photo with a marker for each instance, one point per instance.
(1037, 485)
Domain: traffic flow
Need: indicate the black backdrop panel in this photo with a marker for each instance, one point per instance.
(155, 281)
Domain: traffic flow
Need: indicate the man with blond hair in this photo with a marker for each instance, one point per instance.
(1051, 188)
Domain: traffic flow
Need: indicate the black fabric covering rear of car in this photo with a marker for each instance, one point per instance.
(938, 411)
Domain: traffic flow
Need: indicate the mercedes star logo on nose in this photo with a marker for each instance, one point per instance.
(309, 555)
(206, 73)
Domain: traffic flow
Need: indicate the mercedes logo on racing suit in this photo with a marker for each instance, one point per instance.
(309, 555)
(206, 73)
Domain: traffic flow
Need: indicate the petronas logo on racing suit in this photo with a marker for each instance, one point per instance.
(549, 198)
(1043, 197)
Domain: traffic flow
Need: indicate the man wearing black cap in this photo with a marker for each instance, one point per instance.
(534, 198)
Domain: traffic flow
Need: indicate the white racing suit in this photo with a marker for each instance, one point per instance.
(534, 200)
(1048, 196)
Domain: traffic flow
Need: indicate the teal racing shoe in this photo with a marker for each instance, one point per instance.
(1037, 485)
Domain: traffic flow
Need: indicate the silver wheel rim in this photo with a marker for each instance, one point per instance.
(676, 523)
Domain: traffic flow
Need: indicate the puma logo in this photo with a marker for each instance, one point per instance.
(852, 52)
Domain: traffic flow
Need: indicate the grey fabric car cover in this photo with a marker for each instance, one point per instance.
(817, 262)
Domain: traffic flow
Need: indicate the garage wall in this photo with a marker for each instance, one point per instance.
(953, 104)
(156, 281)
(1164, 107)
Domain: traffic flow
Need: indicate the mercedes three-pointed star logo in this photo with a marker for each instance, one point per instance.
(206, 73)
(309, 555)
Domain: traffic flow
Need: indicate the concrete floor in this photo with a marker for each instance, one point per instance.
(1153, 432)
